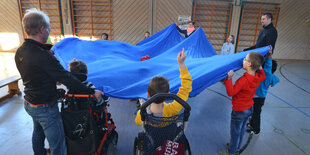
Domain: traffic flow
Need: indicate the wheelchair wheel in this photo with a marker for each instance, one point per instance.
(137, 147)
(114, 135)
(111, 143)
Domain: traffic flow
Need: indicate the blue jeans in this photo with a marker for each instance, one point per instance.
(47, 123)
(238, 123)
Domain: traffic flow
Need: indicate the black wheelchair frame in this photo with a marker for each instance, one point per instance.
(90, 129)
(140, 140)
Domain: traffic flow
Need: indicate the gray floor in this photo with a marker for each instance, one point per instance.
(285, 119)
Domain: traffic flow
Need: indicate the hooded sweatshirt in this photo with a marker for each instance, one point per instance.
(271, 79)
(82, 77)
(244, 89)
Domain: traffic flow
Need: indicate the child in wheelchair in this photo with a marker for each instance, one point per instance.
(79, 69)
(161, 122)
(88, 126)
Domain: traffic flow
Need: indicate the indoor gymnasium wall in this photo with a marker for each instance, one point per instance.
(10, 21)
(131, 18)
(167, 12)
(293, 31)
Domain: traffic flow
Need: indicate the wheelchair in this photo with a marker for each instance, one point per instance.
(89, 128)
(163, 135)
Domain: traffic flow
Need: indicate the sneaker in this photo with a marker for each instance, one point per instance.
(256, 133)
(226, 151)
(106, 99)
(250, 131)
(48, 151)
(222, 152)
(249, 126)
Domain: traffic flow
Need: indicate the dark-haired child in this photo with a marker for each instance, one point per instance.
(79, 69)
(159, 84)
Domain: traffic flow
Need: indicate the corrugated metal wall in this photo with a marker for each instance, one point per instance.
(10, 18)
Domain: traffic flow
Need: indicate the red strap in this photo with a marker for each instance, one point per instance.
(35, 105)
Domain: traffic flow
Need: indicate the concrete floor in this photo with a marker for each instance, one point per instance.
(285, 119)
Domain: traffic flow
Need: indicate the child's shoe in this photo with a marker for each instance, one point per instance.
(222, 152)
(250, 131)
(248, 125)
(106, 99)
(48, 151)
(226, 151)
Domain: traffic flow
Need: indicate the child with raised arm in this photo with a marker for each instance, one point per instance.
(261, 92)
(242, 97)
(159, 84)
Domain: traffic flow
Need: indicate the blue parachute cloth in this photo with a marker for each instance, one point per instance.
(115, 67)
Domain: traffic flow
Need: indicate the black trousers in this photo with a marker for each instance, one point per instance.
(257, 109)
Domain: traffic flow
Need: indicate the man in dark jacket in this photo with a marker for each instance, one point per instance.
(40, 71)
(268, 35)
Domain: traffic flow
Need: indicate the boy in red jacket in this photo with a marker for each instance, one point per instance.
(242, 97)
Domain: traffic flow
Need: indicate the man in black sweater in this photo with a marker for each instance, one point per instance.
(268, 35)
(40, 71)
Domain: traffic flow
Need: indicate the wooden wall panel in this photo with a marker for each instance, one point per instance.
(91, 18)
(167, 12)
(131, 18)
(66, 17)
(10, 19)
(250, 22)
(214, 17)
(51, 8)
(293, 31)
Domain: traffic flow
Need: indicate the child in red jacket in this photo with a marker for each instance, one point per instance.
(242, 97)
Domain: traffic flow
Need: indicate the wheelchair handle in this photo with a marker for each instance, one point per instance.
(186, 106)
(62, 93)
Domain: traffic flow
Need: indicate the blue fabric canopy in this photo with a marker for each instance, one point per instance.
(115, 67)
